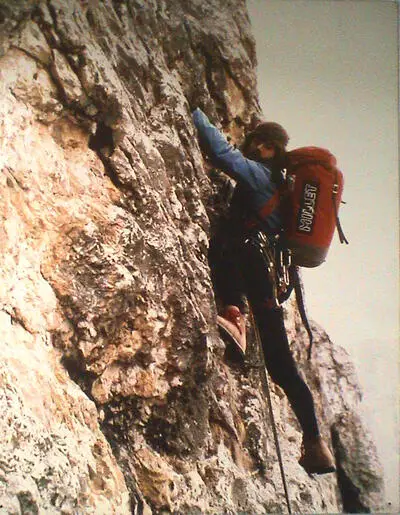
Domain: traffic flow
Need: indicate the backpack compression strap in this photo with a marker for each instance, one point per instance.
(299, 291)
(342, 237)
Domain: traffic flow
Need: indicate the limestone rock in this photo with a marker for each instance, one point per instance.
(116, 396)
(53, 455)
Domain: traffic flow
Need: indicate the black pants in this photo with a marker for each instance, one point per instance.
(237, 270)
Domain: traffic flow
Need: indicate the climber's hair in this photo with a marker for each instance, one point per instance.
(270, 133)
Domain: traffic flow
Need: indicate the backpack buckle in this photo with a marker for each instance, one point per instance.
(335, 189)
(290, 179)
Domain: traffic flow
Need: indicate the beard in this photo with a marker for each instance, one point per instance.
(252, 153)
(255, 155)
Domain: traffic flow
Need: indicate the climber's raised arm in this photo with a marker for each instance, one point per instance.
(226, 157)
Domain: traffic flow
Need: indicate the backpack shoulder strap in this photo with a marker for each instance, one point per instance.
(269, 206)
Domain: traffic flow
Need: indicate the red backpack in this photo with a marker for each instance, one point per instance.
(311, 198)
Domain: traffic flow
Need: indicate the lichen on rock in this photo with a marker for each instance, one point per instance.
(116, 395)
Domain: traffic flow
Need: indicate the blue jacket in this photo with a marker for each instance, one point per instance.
(254, 180)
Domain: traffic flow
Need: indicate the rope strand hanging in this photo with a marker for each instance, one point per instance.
(271, 412)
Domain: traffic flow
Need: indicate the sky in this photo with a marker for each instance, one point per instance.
(328, 72)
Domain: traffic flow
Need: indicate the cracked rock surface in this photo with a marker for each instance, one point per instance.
(116, 395)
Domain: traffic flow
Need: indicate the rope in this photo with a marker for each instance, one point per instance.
(271, 412)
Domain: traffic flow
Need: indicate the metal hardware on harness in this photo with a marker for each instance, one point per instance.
(261, 243)
(290, 181)
(277, 262)
(285, 260)
(335, 189)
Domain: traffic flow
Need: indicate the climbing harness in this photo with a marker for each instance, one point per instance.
(283, 275)
(271, 412)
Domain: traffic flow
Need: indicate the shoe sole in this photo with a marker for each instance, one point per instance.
(319, 471)
(225, 331)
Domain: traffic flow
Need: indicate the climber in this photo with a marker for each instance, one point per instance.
(238, 270)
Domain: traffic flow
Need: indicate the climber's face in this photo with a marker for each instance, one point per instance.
(260, 151)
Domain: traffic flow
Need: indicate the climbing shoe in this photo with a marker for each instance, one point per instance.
(233, 324)
(316, 458)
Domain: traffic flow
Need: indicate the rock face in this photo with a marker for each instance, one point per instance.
(116, 396)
